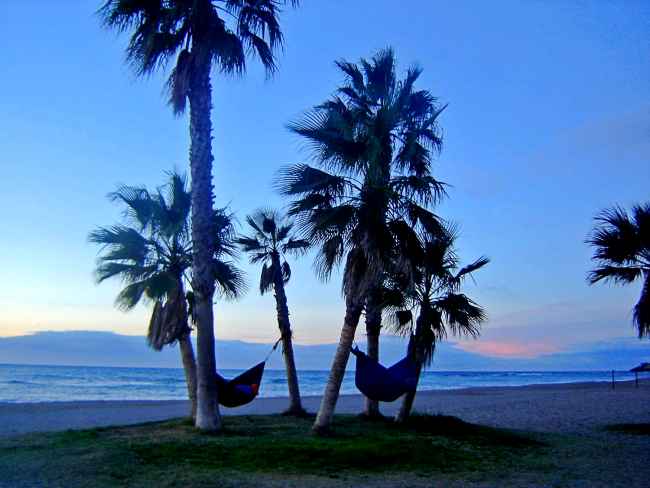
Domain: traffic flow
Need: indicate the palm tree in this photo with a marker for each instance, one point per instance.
(441, 307)
(271, 240)
(622, 254)
(200, 35)
(152, 254)
(376, 138)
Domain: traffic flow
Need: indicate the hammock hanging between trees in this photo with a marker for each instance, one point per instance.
(384, 384)
(242, 389)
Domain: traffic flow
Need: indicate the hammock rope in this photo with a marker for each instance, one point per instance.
(275, 346)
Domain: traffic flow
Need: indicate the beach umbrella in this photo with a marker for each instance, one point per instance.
(641, 368)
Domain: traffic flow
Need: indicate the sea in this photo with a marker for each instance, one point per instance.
(27, 383)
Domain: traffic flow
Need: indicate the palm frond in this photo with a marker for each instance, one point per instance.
(259, 257)
(355, 77)
(331, 253)
(230, 280)
(250, 244)
(284, 229)
(615, 237)
(169, 320)
(286, 272)
(463, 316)
(426, 190)
(179, 198)
(257, 227)
(266, 278)
(219, 34)
(467, 270)
(130, 296)
(401, 322)
(299, 179)
(139, 205)
(268, 224)
(127, 272)
(123, 239)
(296, 246)
(616, 274)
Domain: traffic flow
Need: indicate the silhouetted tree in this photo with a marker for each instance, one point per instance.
(271, 240)
(439, 305)
(375, 138)
(198, 35)
(152, 253)
(621, 244)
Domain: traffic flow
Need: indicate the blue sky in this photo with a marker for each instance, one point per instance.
(548, 122)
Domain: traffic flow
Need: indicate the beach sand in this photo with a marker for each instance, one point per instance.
(566, 408)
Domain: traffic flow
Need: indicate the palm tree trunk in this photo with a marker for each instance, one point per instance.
(328, 403)
(416, 350)
(189, 365)
(373, 329)
(295, 403)
(407, 401)
(208, 417)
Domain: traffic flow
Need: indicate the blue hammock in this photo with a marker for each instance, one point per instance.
(242, 389)
(384, 384)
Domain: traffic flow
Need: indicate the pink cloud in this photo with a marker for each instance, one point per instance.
(508, 349)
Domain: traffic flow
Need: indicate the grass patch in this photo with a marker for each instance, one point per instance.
(173, 453)
(636, 429)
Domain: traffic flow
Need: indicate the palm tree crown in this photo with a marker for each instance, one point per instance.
(197, 32)
(374, 140)
(152, 252)
(621, 244)
(271, 241)
(436, 296)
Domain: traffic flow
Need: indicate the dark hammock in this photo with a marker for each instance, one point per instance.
(384, 384)
(242, 389)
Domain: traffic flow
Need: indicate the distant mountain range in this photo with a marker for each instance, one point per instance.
(91, 348)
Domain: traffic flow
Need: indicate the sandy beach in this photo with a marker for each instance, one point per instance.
(565, 408)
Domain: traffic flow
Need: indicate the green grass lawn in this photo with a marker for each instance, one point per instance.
(263, 450)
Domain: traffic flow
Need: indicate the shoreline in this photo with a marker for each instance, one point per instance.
(560, 407)
(460, 389)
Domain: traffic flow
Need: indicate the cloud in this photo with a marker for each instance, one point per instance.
(508, 349)
(550, 328)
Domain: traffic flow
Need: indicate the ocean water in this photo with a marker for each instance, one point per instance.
(21, 383)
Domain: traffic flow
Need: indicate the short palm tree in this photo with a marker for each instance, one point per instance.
(198, 35)
(621, 244)
(271, 241)
(374, 141)
(152, 254)
(440, 306)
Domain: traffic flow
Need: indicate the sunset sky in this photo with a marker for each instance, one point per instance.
(548, 122)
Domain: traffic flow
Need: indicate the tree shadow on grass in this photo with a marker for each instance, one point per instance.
(635, 429)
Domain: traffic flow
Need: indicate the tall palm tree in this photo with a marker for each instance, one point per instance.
(441, 307)
(621, 244)
(152, 254)
(198, 35)
(375, 137)
(271, 240)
